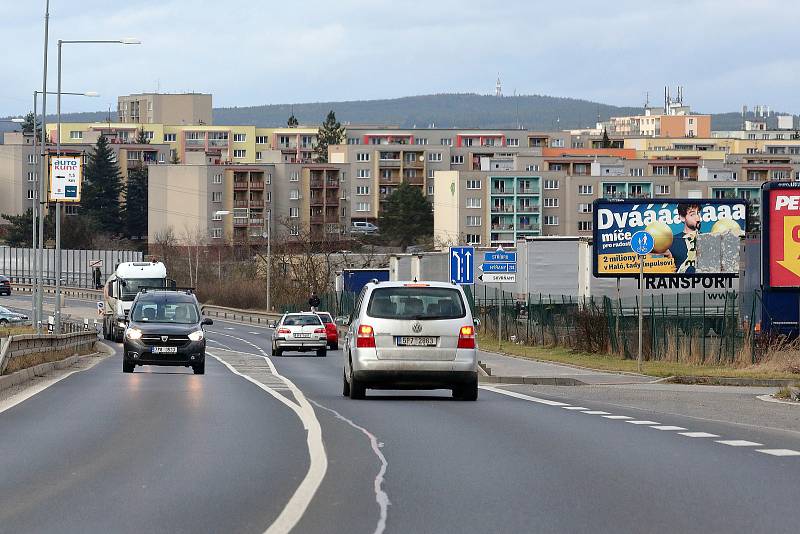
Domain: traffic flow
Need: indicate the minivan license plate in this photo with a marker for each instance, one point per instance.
(165, 350)
(416, 341)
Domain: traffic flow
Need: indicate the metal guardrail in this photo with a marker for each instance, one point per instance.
(22, 345)
(73, 292)
(235, 314)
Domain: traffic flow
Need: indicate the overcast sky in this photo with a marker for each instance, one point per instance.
(246, 52)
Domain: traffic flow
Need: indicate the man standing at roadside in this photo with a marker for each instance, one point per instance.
(314, 301)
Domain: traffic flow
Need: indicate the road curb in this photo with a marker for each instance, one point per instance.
(770, 398)
(24, 375)
(727, 381)
(531, 380)
(572, 365)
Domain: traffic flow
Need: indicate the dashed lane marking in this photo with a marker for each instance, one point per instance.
(697, 435)
(668, 427)
(779, 452)
(648, 423)
(255, 333)
(574, 408)
(596, 412)
(740, 443)
(619, 417)
(229, 328)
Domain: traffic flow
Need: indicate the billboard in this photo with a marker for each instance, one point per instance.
(66, 173)
(693, 237)
(780, 235)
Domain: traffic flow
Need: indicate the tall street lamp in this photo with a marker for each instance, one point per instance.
(125, 41)
(38, 202)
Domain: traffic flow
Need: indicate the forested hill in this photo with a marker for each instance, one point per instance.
(533, 112)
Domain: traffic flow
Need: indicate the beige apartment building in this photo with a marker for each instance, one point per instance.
(165, 108)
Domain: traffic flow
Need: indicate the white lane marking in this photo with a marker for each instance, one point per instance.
(779, 452)
(318, 464)
(740, 443)
(229, 328)
(255, 333)
(668, 427)
(643, 422)
(238, 351)
(525, 397)
(697, 435)
(380, 495)
(574, 408)
(596, 412)
(619, 417)
(27, 393)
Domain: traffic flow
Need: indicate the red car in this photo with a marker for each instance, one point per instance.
(5, 285)
(330, 330)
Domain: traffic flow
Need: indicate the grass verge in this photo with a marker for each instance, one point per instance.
(16, 330)
(607, 362)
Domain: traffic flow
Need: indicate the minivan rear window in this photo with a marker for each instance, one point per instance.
(416, 303)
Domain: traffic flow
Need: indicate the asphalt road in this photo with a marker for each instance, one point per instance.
(241, 449)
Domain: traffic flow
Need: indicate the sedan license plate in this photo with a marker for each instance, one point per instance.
(408, 341)
(165, 350)
(302, 335)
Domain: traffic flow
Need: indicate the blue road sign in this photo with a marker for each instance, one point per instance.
(490, 267)
(462, 265)
(642, 243)
(500, 255)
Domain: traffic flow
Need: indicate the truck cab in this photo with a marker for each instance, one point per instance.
(122, 287)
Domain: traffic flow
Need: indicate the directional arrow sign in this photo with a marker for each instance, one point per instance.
(498, 278)
(500, 255)
(462, 269)
(498, 267)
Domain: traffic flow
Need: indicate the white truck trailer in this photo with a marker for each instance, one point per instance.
(120, 290)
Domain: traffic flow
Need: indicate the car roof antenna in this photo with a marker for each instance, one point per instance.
(415, 279)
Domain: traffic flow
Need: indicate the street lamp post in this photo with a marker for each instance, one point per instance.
(268, 236)
(40, 186)
(61, 42)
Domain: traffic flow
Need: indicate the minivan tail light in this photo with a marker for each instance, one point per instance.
(365, 339)
(466, 337)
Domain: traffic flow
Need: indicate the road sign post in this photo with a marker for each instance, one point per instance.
(499, 267)
(642, 243)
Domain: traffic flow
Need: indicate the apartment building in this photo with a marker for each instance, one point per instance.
(165, 108)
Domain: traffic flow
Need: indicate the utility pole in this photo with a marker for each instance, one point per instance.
(42, 189)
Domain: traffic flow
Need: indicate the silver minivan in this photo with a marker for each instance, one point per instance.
(411, 335)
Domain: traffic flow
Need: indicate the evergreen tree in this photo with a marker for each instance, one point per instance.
(606, 142)
(136, 203)
(102, 190)
(141, 138)
(406, 216)
(175, 159)
(330, 133)
(20, 228)
(292, 122)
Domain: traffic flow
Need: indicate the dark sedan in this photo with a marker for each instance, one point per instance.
(165, 328)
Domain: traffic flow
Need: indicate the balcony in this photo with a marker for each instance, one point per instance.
(528, 209)
(195, 143)
(503, 209)
(256, 222)
(639, 195)
(317, 201)
(528, 227)
(239, 223)
(503, 191)
(528, 191)
(239, 185)
(391, 163)
(503, 227)
(218, 143)
(321, 219)
(256, 203)
(316, 183)
(256, 185)
(241, 203)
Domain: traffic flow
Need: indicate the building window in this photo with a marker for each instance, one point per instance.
(473, 239)
(431, 172)
(473, 184)
(216, 216)
(258, 155)
(434, 156)
(585, 189)
(239, 153)
(663, 190)
(661, 170)
(30, 194)
(294, 194)
(473, 220)
(557, 143)
(283, 140)
(584, 226)
(551, 220)
(636, 172)
(446, 141)
(216, 233)
(555, 167)
(550, 202)
(362, 206)
(31, 158)
(70, 209)
(216, 196)
(268, 196)
(512, 142)
(467, 142)
(75, 135)
(362, 156)
(353, 141)
(456, 159)
(363, 173)
(294, 176)
(362, 190)
(294, 213)
(551, 184)
(420, 141)
(268, 179)
(31, 176)
(585, 208)
(473, 202)
(261, 140)
(532, 168)
(217, 179)
(430, 190)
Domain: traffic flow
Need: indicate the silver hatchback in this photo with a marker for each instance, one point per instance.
(411, 335)
(300, 332)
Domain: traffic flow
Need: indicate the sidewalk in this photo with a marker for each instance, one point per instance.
(512, 370)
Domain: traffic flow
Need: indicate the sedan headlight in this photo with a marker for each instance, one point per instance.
(197, 335)
(133, 333)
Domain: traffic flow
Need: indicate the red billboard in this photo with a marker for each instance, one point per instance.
(781, 235)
